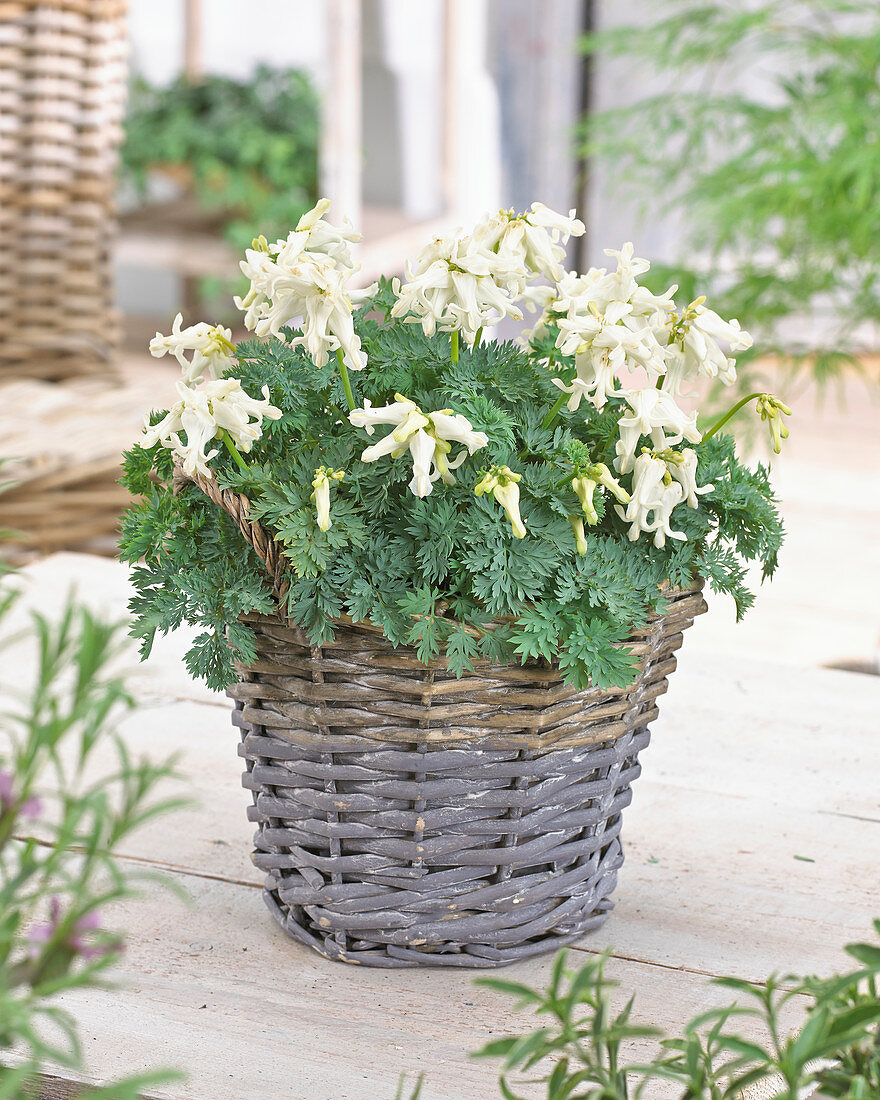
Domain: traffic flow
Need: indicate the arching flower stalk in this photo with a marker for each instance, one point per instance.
(771, 410)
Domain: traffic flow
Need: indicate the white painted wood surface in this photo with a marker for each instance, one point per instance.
(753, 764)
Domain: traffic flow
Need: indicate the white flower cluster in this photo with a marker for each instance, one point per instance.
(219, 406)
(615, 329)
(305, 279)
(427, 436)
(211, 346)
(466, 283)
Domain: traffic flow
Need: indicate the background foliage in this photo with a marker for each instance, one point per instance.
(248, 149)
(579, 1052)
(764, 135)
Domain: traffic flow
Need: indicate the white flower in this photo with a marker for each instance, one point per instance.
(682, 465)
(202, 414)
(191, 415)
(427, 436)
(653, 495)
(321, 496)
(629, 267)
(313, 234)
(305, 279)
(584, 488)
(503, 484)
(577, 526)
(654, 413)
(457, 284)
(237, 413)
(695, 346)
(533, 241)
(603, 348)
(211, 346)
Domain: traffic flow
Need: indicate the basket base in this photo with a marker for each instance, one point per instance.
(293, 920)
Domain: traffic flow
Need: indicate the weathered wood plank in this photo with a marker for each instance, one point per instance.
(218, 989)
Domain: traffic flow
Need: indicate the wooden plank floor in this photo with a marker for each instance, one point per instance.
(752, 845)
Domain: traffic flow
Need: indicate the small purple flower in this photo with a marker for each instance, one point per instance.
(10, 804)
(78, 938)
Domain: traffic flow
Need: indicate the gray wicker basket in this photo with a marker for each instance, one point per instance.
(409, 818)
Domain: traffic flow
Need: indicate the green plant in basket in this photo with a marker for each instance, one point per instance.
(513, 501)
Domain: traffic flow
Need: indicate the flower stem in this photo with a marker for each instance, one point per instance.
(454, 342)
(731, 412)
(233, 450)
(478, 339)
(346, 382)
(550, 418)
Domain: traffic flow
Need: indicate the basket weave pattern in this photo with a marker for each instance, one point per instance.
(409, 818)
(62, 94)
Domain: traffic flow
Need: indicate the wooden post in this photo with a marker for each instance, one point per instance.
(193, 64)
(193, 71)
(451, 107)
(341, 153)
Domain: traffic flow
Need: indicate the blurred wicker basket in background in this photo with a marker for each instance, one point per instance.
(61, 448)
(62, 95)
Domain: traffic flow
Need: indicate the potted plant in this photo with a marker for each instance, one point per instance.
(442, 577)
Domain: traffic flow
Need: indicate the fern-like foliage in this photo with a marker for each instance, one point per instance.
(444, 574)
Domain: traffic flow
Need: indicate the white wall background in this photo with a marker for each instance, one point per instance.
(237, 36)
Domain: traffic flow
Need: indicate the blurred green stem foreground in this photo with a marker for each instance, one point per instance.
(58, 832)
(581, 1050)
(761, 131)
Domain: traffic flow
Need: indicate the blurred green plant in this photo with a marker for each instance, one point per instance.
(580, 1052)
(58, 832)
(764, 137)
(248, 150)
